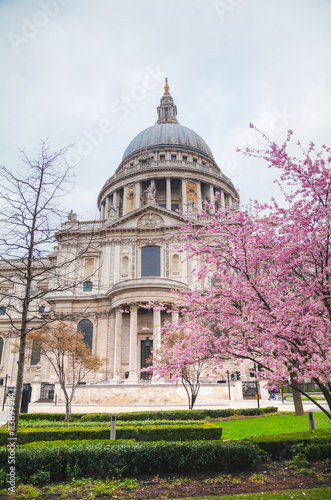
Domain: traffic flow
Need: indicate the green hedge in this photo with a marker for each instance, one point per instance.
(176, 414)
(146, 433)
(51, 417)
(56, 463)
(280, 445)
(149, 415)
(40, 424)
(317, 451)
(72, 442)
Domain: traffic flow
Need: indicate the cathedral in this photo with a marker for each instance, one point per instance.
(133, 259)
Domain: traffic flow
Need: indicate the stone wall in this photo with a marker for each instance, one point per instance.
(126, 394)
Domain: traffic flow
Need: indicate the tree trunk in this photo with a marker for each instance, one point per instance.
(21, 358)
(325, 392)
(68, 411)
(19, 384)
(298, 406)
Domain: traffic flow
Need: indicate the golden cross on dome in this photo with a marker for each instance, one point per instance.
(166, 87)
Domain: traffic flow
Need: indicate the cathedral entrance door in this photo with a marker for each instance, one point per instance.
(146, 358)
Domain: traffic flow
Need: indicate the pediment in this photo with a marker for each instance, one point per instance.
(149, 216)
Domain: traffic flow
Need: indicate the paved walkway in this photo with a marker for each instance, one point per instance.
(94, 408)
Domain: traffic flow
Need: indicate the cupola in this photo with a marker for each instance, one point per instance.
(167, 111)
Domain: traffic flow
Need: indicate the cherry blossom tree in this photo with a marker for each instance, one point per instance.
(263, 288)
(182, 358)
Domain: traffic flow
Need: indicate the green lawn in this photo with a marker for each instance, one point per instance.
(274, 424)
(313, 494)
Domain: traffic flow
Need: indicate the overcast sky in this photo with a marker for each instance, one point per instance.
(91, 73)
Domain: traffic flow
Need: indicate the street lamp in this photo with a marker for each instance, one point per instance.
(147, 342)
(228, 375)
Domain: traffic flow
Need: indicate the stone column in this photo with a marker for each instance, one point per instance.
(168, 194)
(118, 346)
(211, 196)
(111, 345)
(133, 358)
(106, 207)
(156, 339)
(102, 211)
(174, 317)
(222, 199)
(125, 193)
(199, 195)
(138, 194)
(115, 202)
(184, 197)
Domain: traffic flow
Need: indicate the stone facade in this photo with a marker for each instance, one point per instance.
(132, 260)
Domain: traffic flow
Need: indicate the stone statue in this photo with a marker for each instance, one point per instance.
(190, 206)
(72, 216)
(112, 212)
(150, 193)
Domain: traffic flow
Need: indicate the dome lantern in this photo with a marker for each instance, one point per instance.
(167, 111)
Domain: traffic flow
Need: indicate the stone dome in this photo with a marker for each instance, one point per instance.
(163, 134)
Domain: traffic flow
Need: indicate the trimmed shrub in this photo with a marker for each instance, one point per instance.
(175, 415)
(280, 445)
(51, 417)
(317, 451)
(148, 415)
(95, 460)
(40, 424)
(146, 433)
(72, 442)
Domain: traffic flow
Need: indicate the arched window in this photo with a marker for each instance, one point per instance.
(1, 348)
(151, 261)
(35, 354)
(86, 328)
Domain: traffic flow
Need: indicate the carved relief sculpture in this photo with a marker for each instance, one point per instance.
(150, 220)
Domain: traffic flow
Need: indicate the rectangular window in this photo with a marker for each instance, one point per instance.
(174, 207)
(166, 112)
(195, 160)
(184, 158)
(35, 355)
(150, 261)
(162, 157)
(173, 157)
(87, 286)
(2, 311)
(163, 205)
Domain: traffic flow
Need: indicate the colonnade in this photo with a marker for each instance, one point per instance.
(110, 210)
(134, 338)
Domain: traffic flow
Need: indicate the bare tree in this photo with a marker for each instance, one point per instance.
(68, 354)
(30, 212)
